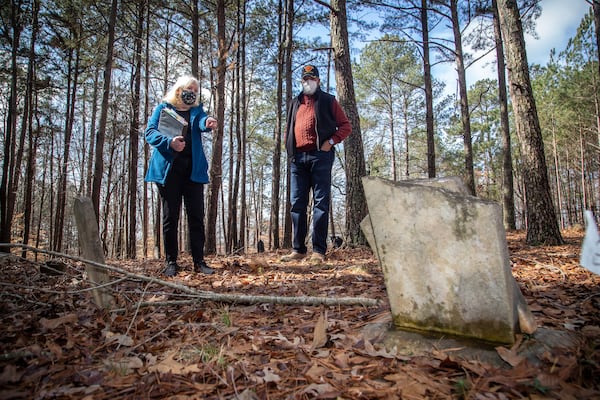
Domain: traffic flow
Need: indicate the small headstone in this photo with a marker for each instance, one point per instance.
(91, 249)
(445, 260)
(336, 241)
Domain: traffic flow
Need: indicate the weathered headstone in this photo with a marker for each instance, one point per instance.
(445, 259)
(91, 249)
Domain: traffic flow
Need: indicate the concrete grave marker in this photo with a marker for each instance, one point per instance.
(445, 259)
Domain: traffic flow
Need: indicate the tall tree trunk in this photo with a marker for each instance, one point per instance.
(195, 38)
(6, 204)
(134, 133)
(596, 11)
(99, 164)
(406, 136)
(61, 195)
(469, 175)
(92, 139)
(216, 169)
(557, 175)
(31, 138)
(145, 203)
(431, 172)
(276, 180)
(289, 92)
(234, 156)
(356, 203)
(542, 226)
(27, 126)
(508, 193)
(42, 198)
(242, 240)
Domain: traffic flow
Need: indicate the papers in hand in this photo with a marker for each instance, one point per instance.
(171, 123)
(590, 250)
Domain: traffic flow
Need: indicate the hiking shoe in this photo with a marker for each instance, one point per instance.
(293, 256)
(201, 267)
(317, 258)
(171, 269)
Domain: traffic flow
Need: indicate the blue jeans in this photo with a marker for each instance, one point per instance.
(311, 170)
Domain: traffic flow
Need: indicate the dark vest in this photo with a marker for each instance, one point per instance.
(325, 126)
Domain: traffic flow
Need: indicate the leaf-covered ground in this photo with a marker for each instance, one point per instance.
(56, 344)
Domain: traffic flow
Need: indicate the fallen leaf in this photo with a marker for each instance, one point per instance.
(510, 356)
(56, 322)
(320, 332)
(169, 364)
(321, 391)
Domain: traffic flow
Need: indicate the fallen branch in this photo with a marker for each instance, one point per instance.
(212, 296)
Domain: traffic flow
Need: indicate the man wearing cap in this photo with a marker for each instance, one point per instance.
(315, 124)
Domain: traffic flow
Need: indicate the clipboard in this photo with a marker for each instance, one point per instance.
(171, 124)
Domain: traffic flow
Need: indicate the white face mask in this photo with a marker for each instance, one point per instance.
(309, 87)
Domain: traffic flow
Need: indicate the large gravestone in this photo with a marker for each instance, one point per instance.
(445, 260)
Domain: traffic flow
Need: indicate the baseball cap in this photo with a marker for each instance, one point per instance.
(310, 71)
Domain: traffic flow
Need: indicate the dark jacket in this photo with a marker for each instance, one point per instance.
(325, 120)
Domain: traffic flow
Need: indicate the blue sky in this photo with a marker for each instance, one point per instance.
(557, 23)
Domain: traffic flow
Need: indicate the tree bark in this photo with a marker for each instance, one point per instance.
(508, 199)
(134, 132)
(6, 199)
(596, 11)
(216, 170)
(289, 42)
(61, 196)
(195, 17)
(469, 175)
(145, 203)
(276, 180)
(431, 171)
(243, 238)
(356, 203)
(28, 112)
(99, 164)
(542, 226)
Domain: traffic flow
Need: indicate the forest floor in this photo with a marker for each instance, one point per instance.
(164, 342)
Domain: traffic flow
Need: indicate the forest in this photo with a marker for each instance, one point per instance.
(81, 78)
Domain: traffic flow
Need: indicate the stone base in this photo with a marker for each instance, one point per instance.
(414, 344)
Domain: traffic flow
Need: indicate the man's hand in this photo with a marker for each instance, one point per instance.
(178, 143)
(326, 146)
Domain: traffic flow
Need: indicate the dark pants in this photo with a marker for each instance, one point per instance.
(311, 170)
(177, 186)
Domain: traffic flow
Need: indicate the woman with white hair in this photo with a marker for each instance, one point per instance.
(179, 167)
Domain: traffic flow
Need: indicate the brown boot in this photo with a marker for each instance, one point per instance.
(293, 256)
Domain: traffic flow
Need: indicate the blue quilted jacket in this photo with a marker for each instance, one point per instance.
(162, 153)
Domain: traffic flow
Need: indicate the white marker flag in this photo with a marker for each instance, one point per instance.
(590, 250)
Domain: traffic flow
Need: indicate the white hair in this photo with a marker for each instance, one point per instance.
(173, 95)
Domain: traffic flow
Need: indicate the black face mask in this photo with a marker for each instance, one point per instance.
(188, 97)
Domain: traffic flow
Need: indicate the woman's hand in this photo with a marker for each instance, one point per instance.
(211, 123)
(178, 143)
